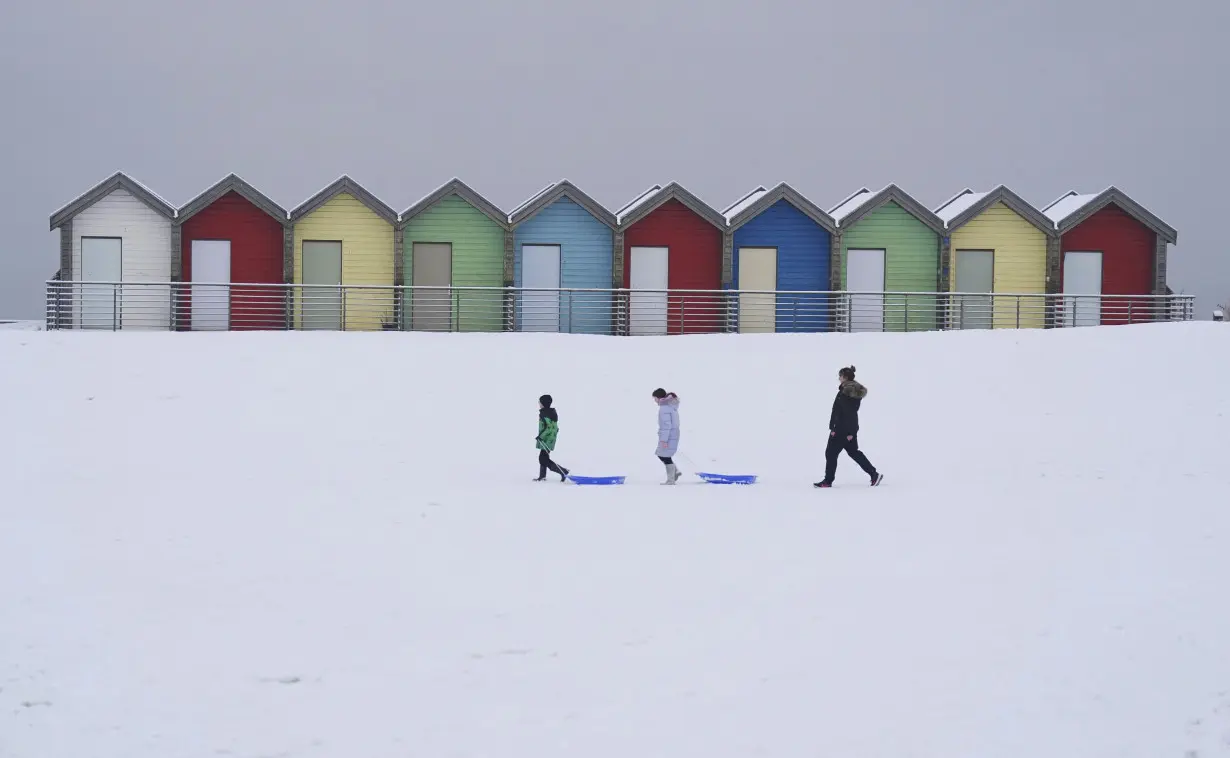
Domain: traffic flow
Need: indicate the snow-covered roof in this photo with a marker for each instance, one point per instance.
(344, 184)
(851, 204)
(743, 203)
(312, 196)
(529, 201)
(232, 182)
(637, 202)
(1065, 206)
(958, 204)
(118, 180)
(462, 190)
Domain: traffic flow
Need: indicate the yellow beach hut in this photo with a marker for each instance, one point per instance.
(995, 244)
(344, 235)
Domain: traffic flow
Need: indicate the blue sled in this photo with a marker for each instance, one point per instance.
(728, 478)
(595, 479)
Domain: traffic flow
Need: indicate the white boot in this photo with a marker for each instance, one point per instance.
(672, 474)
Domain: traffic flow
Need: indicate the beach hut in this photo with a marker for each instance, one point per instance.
(997, 243)
(671, 240)
(343, 235)
(118, 231)
(563, 238)
(778, 240)
(454, 238)
(1108, 245)
(231, 233)
(887, 242)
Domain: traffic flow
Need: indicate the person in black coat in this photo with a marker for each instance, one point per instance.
(843, 429)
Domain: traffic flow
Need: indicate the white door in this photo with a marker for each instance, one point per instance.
(650, 269)
(101, 261)
(540, 267)
(976, 273)
(865, 273)
(757, 271)
(211, 266)
(1082, 276)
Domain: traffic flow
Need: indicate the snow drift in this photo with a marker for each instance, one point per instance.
(327, 545)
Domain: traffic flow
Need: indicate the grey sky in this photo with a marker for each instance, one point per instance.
(1041, 95)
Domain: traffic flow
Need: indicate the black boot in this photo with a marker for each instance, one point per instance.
(563, 474)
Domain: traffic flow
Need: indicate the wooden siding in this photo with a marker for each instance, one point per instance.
(367, 257)
(695, 264)
(1020, 262)
(146, 255)
(1128, 250)
(478, 259)
(803, 252)
(256, 258)
(911, 263)
(586, 261)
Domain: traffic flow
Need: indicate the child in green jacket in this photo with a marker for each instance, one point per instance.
(548, 431)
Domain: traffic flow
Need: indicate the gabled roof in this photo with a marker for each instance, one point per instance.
(554, 191)
(650, 200)
(854, 207)
(231, 183)
(966, 205)
(344, 184)
(636, 202)
(738, 206)
(1072, 208)
(118, 180)
(759, 200)
(462, 190)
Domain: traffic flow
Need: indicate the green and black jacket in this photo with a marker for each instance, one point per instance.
(548, 428)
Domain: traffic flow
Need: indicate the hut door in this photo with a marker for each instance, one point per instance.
(649, 270)
(757, 271)
(540, 267)
(101, 261)
(976, 273)
(322, 264)
(865, 275)
(1082, 277)
(431, 310)
(211, 266)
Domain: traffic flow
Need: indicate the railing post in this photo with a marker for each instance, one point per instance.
(906, 299)
(1018, 311)
(115, 307)
(342, 317)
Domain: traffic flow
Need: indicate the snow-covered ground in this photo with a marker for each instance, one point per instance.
(22, 326)
(328, 546)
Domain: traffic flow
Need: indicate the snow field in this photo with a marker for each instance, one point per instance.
(327, 545)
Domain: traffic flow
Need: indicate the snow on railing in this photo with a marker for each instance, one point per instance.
(206, 306)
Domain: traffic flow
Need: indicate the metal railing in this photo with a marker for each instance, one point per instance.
(221, 307)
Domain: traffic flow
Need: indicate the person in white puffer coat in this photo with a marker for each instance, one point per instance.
(668, 432)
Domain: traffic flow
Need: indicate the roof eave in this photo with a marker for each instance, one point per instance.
(785, 192)
(1114, 195)
(118, 180)
(344, 185)
(670, 192)
(1013, 201)
(893, 193)
(232, 183)
(463, 191)
(572, 192)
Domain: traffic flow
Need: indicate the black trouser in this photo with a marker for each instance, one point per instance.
(665, 459)
(545, 462)
(837, 443)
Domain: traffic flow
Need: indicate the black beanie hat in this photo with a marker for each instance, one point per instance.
(545, 400)
(659, 393)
